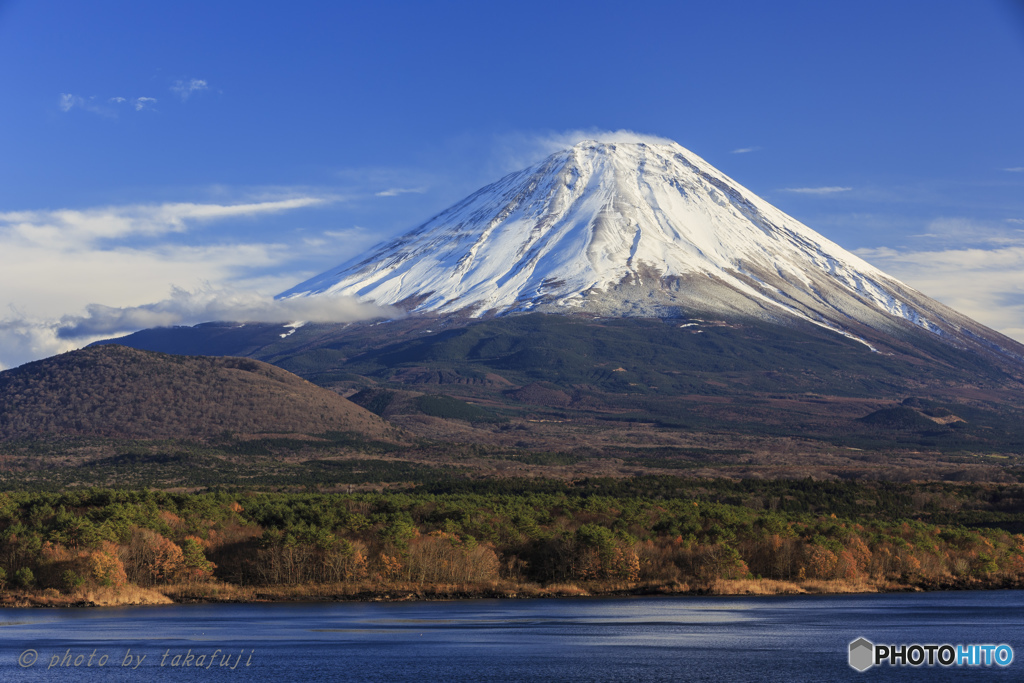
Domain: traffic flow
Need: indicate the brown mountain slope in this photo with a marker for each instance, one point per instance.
(115, 391)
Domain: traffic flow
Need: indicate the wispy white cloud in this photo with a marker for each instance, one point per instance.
(1015, 169)
(185, 88)
(515, 151)
(395, 191)
(53, 262)
(559, 141)
(817, 190)
(984, 281)
(960, 232)
(56, 264)
(68, 101)
(356, 233)
(51, 281)
(745, 150)
(70, 228)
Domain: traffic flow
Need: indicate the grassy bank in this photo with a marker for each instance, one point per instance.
(222, 592)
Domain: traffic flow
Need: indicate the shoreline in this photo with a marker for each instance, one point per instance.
(225, 593)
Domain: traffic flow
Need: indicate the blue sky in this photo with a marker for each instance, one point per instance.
(192, 158)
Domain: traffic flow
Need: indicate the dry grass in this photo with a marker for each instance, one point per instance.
(773, 587)
(842, 586)
(216, 591)
(213, 591)
(564, 590)
(93, 597)
(125, 595)
(754, 587)
(671, 588)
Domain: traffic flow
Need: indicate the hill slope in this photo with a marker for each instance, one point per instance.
(115, 391)
(755, 378)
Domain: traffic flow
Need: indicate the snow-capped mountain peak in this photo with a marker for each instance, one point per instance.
(625, 229)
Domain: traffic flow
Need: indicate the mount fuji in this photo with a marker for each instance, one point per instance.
(638, 230)
(621, 283)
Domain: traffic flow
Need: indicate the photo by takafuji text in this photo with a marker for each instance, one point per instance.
(95, 659)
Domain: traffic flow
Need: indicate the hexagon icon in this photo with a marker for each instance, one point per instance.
(862, 654)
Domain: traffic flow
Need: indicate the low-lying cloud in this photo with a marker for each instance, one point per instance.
(55, 263)
(24, 339)
(209, 304)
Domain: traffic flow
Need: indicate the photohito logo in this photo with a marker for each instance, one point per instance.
(864, 654)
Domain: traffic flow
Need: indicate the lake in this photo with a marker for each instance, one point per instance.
(778, 638)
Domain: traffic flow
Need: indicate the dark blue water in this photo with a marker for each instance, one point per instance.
(791, 638)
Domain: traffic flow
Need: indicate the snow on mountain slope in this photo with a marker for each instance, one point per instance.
(639, 229)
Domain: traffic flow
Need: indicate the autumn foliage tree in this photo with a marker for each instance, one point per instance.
(440, 557)
(105, 566)
(150, 558)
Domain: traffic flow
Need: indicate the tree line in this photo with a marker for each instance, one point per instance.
(67, 541)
